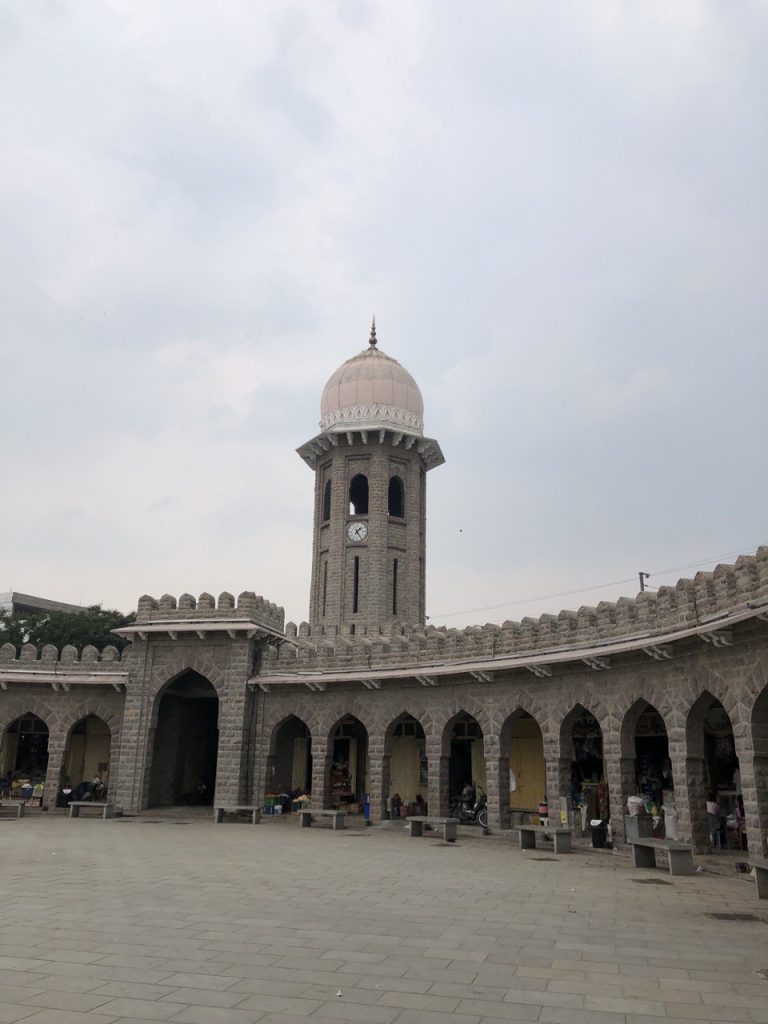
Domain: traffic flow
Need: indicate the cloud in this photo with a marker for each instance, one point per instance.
(558, 217)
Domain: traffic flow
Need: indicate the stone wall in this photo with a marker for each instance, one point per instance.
(686, 605)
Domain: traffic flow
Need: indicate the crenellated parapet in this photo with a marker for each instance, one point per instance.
(689, 604)
(48, 657)
(248, 606)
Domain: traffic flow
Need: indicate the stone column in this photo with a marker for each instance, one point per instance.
(376, 774)
(620, 775)
(691, 804)
(751, 742)
(321, 775)
(503, 814)
(438, 783)
(492, 781)
(57, 743)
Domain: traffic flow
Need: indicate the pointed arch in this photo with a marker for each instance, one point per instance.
(582, 763)
(522, 768)
(87, 757)
(349, 766)
(405, 766)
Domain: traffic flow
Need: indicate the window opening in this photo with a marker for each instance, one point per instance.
(394, 587)
(325, 584)
(356, 586)
(327, 501)
(358, 495)
(396, 497)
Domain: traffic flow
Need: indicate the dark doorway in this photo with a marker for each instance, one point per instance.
(25, 753)
(467, 760)
(349, 764)
(291, 767)
(186, 744)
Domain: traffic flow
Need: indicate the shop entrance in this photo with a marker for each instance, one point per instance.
(349, 764)
(408, 770)
(86, 759)
(24, 757)
(291, 768)
(185, 744)
(712, 769)
(582, 738)
(522, 767)
(653, 768)
(466, 763)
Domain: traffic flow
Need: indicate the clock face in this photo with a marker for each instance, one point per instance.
(357, 531)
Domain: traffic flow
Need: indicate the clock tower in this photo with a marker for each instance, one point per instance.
(370, 461)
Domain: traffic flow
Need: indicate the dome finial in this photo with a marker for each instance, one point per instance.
(372, 339)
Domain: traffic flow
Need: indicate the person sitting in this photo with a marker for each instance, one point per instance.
(419, 805)
(714, 818)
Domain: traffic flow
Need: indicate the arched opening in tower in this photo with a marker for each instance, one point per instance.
(349, 763)
(396, 497)
(466, 763)
(24, 757)
(358, 495)
(85, 771)
(185, 744)
(327, 501)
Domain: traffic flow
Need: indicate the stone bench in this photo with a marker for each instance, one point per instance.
(107, 809)
(448, 826)
(680, 855)
(19, 806)
(308, 813)
(562, 837)
(220, 810)
(760, 868)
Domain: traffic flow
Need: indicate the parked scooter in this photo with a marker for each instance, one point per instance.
(476, 814)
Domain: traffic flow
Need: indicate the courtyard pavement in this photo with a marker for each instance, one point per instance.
(135, 920)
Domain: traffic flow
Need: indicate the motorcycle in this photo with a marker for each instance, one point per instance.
(477, 814)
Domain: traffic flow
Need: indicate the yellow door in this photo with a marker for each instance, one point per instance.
(404, 767)
(526, 762)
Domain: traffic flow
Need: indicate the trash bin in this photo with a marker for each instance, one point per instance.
(367, 805)
(599, 829)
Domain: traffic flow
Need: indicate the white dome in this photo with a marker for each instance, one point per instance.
(371, 391)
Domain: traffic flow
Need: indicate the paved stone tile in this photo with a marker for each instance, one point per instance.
(67, 1001)
(214, 1015)
(11, 1012)
(143, 1009)
(200, 930)
(70, 1017)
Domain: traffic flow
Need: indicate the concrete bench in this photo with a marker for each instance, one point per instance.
(761, 876)
(308, 813)
(220, 810)
(19, 806)
(680, 855)
(561, 836)
(107, 809)
(446, 825)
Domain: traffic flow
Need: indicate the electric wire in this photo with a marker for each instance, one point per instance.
(597, 586)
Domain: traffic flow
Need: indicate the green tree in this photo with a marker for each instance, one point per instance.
(91, 626)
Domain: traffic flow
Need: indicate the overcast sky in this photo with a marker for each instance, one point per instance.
(557, 212)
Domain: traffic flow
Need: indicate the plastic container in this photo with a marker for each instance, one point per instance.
(599, 833)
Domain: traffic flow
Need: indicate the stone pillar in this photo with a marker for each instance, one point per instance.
(131, 789)
(380, 795)
(691, 804)
(230, 760)
(751, 742)
(503, 813)
(492, 781)
(438, 783)
(321, 775)
(376, 774)
(620, 775)
(57, 743)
